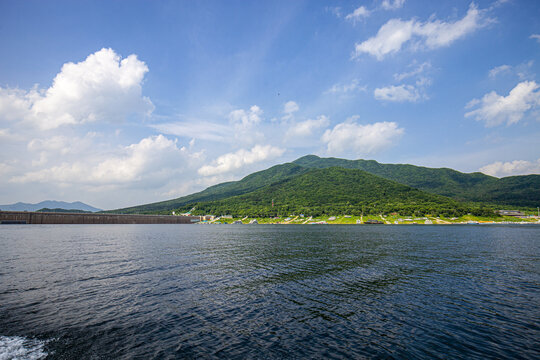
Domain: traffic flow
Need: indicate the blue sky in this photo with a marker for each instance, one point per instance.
(118, 103)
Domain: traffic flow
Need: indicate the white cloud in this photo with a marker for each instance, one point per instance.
(399, 93)
(417, 71)
(495, 109)
(354, 85)
(535, 36)
(432, 34)
(359, 139)
(246, 125)
(336, 10)
(522, 71)
(358, 13)
(290, 107)
(389, 39)
(392, 5)
(237, 160)
(148, 160)
(102, 87)
(15, 104)
(516, 167)
(307, 127)
(246, 119)
(202, 130)
(499, 69)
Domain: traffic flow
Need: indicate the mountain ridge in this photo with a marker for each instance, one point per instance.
(50, 204)
(475, 187)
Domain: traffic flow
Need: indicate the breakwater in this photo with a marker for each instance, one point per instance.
(27, 217)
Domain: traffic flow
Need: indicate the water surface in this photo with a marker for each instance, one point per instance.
(269, 291)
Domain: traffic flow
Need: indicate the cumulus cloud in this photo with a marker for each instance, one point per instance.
(290, 108)
(360, 139)
(145, 160)
(536, 37)
(392, 5)
(399, 93)
(307, 127)
(358, 14)
(102, 87)
(516, 167)
(237, 160)
(494, 109)
(246, 119)
(246, 125)
(432, 34)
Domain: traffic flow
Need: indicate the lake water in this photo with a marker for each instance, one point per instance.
(269, 291)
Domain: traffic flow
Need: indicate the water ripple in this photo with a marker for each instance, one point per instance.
(158, 292)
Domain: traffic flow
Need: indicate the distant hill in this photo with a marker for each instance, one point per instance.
(334, 191)
(50, 204)
(518, 191)
(477, 187)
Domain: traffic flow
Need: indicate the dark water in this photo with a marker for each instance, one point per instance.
(190, 291)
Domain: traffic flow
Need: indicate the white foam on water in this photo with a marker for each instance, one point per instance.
(19, 348)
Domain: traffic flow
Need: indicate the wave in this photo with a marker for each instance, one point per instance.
(17, 347)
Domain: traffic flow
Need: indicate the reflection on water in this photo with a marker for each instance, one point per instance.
(155, 291)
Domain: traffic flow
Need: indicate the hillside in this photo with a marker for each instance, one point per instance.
(512, 191)
(476, 187)
(335, 191)
(221, 191)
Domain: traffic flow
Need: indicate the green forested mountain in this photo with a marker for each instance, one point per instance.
(335, 191)
(521, 191)
(221, 191)
(476, 187)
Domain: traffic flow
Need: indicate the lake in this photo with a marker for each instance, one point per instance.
(269, 291)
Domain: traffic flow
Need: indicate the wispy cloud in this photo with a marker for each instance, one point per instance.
(400, 93)
(536, 37)
(354, 85)
(202, 130)
(359, 13)
(392, 4)
(432, 34)
(416, 71)
(498, 70)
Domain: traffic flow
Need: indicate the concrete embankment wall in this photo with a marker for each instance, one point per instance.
(24, 217)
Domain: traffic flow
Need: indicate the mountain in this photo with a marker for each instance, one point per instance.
(221, 191)
(50, 204)
(334, 191)
(520, 191)
(476, 187)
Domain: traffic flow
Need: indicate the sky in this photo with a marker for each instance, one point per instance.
(121, 103)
